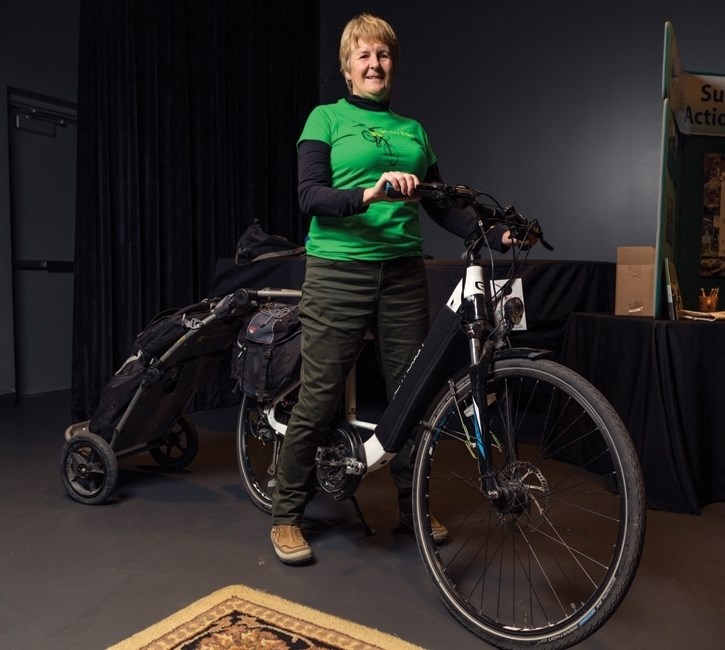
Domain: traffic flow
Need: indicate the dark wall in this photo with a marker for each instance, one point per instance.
(38, 53)
(555, 107)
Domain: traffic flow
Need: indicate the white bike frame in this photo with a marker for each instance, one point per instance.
(389, 433)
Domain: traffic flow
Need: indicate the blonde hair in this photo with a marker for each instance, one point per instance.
(366, 27)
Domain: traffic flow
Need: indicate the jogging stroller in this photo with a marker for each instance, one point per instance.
(142, 406)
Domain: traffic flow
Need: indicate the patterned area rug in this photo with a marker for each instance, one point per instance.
(240, 618)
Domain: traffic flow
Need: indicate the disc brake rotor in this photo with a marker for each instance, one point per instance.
(525, 500)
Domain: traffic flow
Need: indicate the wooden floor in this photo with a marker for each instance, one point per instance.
(84, 577)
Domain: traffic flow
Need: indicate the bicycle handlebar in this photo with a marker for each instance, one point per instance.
(445, 195)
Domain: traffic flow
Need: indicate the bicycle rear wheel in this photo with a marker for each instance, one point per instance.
(549, 561)
(258, 446)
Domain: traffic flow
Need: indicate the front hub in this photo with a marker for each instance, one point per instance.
(523, 500)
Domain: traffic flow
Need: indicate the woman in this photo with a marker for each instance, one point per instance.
(365, 267)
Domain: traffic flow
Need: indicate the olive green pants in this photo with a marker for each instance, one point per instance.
(341, 301)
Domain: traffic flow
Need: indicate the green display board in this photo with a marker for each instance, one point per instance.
(691, 220)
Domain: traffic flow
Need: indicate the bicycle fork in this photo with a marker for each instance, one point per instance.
(480, 363)
(481, 356)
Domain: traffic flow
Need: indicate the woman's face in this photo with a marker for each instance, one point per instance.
(370, 74)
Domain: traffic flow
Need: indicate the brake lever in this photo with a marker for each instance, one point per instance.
(545, 243)
(522, 228)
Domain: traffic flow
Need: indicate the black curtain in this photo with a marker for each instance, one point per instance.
(188, 115)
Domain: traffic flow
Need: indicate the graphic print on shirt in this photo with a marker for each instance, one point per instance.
(377, 136)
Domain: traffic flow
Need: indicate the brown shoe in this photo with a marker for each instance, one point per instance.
(290, 545)
(439, 532)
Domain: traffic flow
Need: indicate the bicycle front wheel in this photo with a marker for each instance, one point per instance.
(546, 561)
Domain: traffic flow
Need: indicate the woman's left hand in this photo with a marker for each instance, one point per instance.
(509, 240)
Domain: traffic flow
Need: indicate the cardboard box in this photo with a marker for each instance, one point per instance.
(634, 295)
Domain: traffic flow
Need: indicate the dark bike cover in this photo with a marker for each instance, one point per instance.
(255, 244)
(160, 336)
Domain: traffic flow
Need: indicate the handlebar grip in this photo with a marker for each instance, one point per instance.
(391, 192)
(436, 191)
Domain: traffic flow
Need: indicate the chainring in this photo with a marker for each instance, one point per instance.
(337, 462)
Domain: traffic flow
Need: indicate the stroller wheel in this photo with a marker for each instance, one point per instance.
(88, 468)
(178, 446)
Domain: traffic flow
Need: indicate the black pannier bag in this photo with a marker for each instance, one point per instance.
(267, 355)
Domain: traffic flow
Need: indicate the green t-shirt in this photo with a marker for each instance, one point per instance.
(363, 145)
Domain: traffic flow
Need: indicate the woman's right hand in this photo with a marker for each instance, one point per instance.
(402, 182)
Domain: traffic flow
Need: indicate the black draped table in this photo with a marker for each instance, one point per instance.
(665, 380)
(552, 289)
